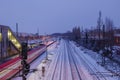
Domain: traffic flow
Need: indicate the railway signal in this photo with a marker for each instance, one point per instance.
(25, 65)
(24, 51)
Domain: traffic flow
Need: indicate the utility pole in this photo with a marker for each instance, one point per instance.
(1, 43)
(104, 40)
(46, 41)
(99, 24)
(38, 31)
(17, 29)
(86, 37)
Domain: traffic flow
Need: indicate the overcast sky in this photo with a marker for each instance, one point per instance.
(52, 16)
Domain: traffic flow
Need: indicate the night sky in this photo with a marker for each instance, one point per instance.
(51, 16)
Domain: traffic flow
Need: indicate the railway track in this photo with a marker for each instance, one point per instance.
(69, 63)
(52, 69)
(97, 75)
(74, 69)
(63, 66)
(81, 70)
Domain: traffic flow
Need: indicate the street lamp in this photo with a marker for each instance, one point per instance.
(46, 50)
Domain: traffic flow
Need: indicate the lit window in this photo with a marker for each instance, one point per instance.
(13, 40)
(9, 34)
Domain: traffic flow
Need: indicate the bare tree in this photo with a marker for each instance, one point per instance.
(109, 28)
(76, 33)
(99, 24)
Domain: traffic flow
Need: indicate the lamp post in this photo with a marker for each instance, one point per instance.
(1, 42)
(46, 49)
(17, 29)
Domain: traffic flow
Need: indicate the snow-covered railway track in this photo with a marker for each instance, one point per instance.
(71, 63)
(81, 71)
(63, 66)
(66, 70)
(52, 68)
(74, 69)
(97, 75)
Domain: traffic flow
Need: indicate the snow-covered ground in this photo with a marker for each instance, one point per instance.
(68, 62)
(37, 75)
(65, 61)
(110, 65)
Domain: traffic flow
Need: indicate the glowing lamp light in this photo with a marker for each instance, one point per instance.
(9, 33)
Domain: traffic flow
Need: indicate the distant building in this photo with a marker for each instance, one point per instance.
(117, 39)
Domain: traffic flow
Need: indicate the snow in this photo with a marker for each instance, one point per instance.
(37, 75)
(68, 62)
(95, 59)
